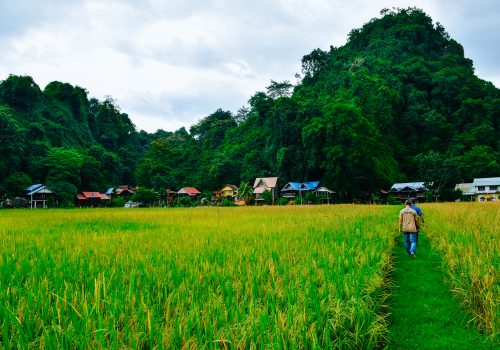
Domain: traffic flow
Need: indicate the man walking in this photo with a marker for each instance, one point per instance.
(420, 214)
(408, 221)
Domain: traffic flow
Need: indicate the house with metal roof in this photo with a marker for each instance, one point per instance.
(227, 191)
(487, 189)
(297, 189)
(191, 192)
(110, 192)
(91, 199)
(468, 191)
(325, 194)
(38, 195)
(310, 186)
(125, 191)
(406, 190)
(264, 183)
(291, 190)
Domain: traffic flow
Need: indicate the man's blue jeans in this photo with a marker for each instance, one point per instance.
(411, 242)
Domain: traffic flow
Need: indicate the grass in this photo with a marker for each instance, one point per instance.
(243, 278)
(424, 314)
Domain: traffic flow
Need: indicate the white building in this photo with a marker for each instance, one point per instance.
(487, 189)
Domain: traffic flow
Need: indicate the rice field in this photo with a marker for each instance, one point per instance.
(216, 278)
(468, 237)
(227, 278)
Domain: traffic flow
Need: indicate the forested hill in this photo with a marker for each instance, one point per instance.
(61, 137)
(399, 101)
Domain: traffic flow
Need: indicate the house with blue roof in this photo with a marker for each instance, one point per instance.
(298, 189)
(38, 195)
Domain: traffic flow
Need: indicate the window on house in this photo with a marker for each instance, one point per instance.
(480, 188)
(493, 188)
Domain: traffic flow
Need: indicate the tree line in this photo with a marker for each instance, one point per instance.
(398, 102)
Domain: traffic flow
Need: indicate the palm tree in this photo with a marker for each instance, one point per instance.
(245, 191)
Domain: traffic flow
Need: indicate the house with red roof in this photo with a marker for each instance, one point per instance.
(91, 199)
(191, 192)
(125, 191)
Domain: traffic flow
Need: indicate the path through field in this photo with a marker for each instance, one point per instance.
(424, 315)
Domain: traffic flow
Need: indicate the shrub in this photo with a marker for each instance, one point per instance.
(282, 201)
(310, 198)
(393, 201)
(429, 196)
(184, 201)
(267, 196)
(117, 202)
(145, 196)
(228, 203)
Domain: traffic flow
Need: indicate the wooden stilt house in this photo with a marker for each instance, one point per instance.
(38, 195)
(264, 183)
(297, 190)
(325, 194)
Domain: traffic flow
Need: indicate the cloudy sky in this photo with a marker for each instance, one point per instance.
(169, 63)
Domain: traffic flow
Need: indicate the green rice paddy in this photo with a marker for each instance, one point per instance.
(217, 278)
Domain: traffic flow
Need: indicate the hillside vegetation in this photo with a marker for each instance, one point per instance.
(399, 101)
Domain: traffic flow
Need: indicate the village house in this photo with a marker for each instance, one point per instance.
(168, 197)
(110, 192)
(38, 195)
(297, 189)
(226, 191)
(406, 190)
(325, 194)
(264, 183)
(468, 192)
(125, 191)
(487, 189)
(190, 192)
(91, 199)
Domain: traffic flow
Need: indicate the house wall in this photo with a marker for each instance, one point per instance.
(406, 195)
(486, 197)
(227, 193)
(487, 193)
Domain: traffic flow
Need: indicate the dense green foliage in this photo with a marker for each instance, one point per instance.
(399, 101)
(61, 137)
